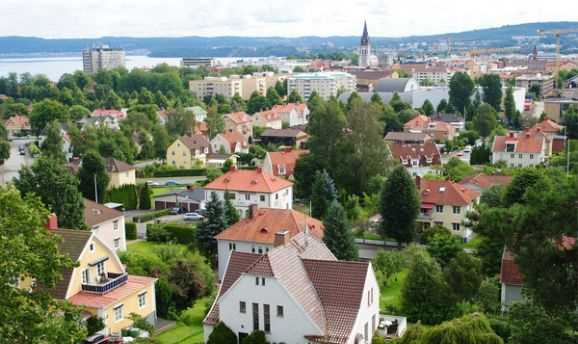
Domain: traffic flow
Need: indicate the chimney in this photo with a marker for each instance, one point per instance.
(52, 223)
(233, 167)
(418, 182)
(281, 238)
(253, 208)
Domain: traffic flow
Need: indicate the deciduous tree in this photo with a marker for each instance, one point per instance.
(93, 176)
(461, 89)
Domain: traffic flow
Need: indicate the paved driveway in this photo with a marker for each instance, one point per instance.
(10, 169)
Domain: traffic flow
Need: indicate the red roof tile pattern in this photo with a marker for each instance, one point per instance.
(418, 122)
(484, 181)
(262, 267)
(248, 181)
(509, 272)
(445, 192)
(132, 286)
(286, 108)
(108, 113)
(195, 141)
(526, 142)
(239, 117)
(285, 159)
(268, 116)
(17, 122)
(548, 126)
(234, 138)
(428, 153)
(261, 228)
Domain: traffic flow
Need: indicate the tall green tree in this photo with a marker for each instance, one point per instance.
(492, 86)
(399, 206)
(230, 213)
(338, 235)
(570, 120)
(510, 106)
(213, 224)
(93, 176)
(273, 97)
(30, 251)
(294, 97)
(427, 108)
(326, 128)
(45, 112)
(442, 105)
(323, 193)
(52, 144)
(144, 197)
(50, 180)
(215, 122)
(485, 121)
(461, 90)
(464, 275)
(256, 103)
(442, 245)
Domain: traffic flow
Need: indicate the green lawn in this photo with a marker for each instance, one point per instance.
(165, 189)
(144, 248)
(391, 295)
(184, 334)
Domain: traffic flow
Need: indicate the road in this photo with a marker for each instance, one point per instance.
(10, 169)
(180, 180)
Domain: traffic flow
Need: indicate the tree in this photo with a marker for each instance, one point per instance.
(78, 112)
(4, 151)
(50, 180)
(93, 176)
(45, 112)
(532, 324)
(30, 251)
(323, 193)
(144, 202)
(443, 104)
(397, 104)
(485, 120)
(570, 120)
(387, 264)
(256, 337)
(521, 182)
(461, 90)
(488, 297)
(273, 97)
(480, 155)
(213, 224)
(222, 334)
(230, 213)
(256, 103)
(469, 329)
(492, 86)
(94, 324)
(215, 122)
(186, 283)
(427, 108)
(399, 206)
(52, 144)
(425, 295)
(338, 235)
(464, 275)
(510, 106)
(442, 245)
(456, 169)
(281, 88)
(294, 97)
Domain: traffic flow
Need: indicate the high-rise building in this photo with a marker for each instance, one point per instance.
(364, 49)
(326, 84)
(102, 58)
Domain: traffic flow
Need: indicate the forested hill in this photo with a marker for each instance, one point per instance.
(265, 46)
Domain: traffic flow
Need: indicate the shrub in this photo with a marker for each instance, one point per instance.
(94, 324)
(256, 337)
(158, 170)
(141, 323)
(180, 234)
(151, 216)
(222, 334)
(130, 231)
(157, 233)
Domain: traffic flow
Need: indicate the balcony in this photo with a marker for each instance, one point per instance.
(106, 284)
(425, 216)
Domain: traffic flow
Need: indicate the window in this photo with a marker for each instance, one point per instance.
(247, 197)
(118, 313)
(100, 268)
(232, 246)
(255, 317)
(520, 156)
(242, 307)
(366, 333)
(115, 225)
(262, 198)
(373, 323)
(260, 250)
(276, 196)
(91, 247)
(531, 156)
(142, 300)
(173, 153)
(117, 243)
(267, 318)
(85, 276)
(512, 156)
(252, 250)
(456, 226)
(256, 280)
(280, 312)
(439, 208)
(262, 280)
(457, 210)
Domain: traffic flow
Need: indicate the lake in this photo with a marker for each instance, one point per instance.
(54, 67)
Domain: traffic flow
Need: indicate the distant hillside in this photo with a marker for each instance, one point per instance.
(267, 46)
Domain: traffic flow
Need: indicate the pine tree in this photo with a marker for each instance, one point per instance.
(144, 197)
(213, 224)
(273, 97)
(338, 235)
(399, 206)
(231, 214)
(323, 193)
(443, 104)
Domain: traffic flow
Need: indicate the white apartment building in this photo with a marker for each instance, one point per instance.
(95, 60)
(250, 187)
(326, 84)
(106, 223)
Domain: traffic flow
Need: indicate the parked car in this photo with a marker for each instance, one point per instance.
(22, 150)
(153, 183)
(193, 217)
(175, 211)
(96, 339)
(172, 183)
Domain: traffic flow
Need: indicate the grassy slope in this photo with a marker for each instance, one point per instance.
(392, 294)
(183, 334)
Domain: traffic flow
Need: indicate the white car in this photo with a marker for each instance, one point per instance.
(192, 216)
(153, 183)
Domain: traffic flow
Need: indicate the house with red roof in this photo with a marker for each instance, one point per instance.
(437, 129)
(257, 232)
(554, 134)
(268, 119)
(17, 124)
(511, 279)
(481, 182)
(240, 122)
(293, 114)
(118, 114)
(418, 158)
(297, 292)
(445, 203)
(521, 149)
(230, 142)
(249, 187)
(282, 163)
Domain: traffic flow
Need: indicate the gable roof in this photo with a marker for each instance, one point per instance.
(509, 271)
(285, 108)
(117, 166)
(414, 151)
(234, 137)
(418, 122)
(268, 116)
(548, 126)
(288, 159)
(95, 213)
(248, 181)
(395, 136)
(195, 141)
(484, 181)
(287, 132)
(446, 192)
(239, 117)
(133, 285)
(262, 226)
(17, 122)
(526, 142)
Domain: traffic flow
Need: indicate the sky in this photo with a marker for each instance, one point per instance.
(175, 18)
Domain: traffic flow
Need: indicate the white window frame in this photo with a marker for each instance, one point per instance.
(116, 242)
(142, 297)
(115, 225)
(116, 317)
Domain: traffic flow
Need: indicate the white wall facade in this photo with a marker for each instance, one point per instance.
(519, 159)
(112, 233)
(282, 199)
(225, 247)
(368, 310)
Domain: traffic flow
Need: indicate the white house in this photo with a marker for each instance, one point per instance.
(256, 233)
(511, 279)
(524, 149)
(107, 224)
(249, 187)
(230, 142)
(298, 292)
(292, 114)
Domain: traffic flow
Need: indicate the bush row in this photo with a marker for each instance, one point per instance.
(130, 231)
(193, 172)
(181, 234)
(151, 216)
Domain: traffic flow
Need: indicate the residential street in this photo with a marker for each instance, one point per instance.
(10, 169)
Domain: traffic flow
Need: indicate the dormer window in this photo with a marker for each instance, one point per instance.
(510, 147)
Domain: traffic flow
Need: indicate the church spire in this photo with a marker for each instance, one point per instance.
(365, 35)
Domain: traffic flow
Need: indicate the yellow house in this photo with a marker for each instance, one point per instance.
(120, 173)
(186, 150)
(100, 284)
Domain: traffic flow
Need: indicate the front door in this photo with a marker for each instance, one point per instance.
(242, 336)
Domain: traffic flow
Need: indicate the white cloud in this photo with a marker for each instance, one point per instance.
(94, 18)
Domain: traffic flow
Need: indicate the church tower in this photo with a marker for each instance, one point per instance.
(364, 48)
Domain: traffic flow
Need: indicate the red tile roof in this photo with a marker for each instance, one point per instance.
(132, 286)
(268, 116)
(548, 126)
(261, 228)
(239, 117)
(234, 138)
(526, 142)
(108, 113)
(248, 181)
(509, 272)
(117, 166)
(95, 213)
(484, 181)
(418, 122)
(445, 192)
(286, 108)
(287, 159)
(415, 151)
(17, 122)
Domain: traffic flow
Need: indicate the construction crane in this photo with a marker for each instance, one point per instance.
(557, 34)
